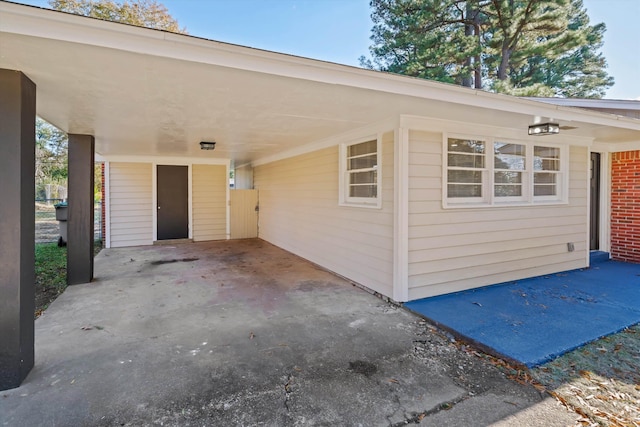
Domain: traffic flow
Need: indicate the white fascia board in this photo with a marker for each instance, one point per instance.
(36, 22)
(610, 104)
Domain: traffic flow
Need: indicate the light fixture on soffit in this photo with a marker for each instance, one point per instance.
(540, 129)
(206, 145)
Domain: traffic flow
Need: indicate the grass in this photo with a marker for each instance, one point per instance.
(51, 273)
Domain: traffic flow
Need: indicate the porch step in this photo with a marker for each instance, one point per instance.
(596, 257)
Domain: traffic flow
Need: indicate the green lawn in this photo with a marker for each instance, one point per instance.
(51, 274)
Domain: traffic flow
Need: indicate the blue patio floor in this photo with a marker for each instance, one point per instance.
(532, 321)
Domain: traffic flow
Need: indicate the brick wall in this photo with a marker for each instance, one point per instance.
(625, 206)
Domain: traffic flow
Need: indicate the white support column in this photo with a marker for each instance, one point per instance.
(401, 216)
(107, 204)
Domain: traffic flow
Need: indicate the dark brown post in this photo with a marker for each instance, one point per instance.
(17, 226)
(80, 210)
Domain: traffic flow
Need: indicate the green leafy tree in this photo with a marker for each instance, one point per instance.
(142, 13)
(522, 47)
(51, 160)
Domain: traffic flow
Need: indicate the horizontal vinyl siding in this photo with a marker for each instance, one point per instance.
(299, 212)
(209, 201)
(456, 249)
(130, 204)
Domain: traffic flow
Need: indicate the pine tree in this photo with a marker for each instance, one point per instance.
(522, 47)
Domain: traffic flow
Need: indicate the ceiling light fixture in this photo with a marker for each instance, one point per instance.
(204, 145)
(544, 129)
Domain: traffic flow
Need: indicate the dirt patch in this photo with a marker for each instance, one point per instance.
(600, 381)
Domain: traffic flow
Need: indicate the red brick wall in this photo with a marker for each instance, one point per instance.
(102, 205)
(625, 206)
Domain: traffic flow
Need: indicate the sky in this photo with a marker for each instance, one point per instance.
(339, 30)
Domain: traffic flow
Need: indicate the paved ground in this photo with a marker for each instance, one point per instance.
(535, 320)
(243, 333)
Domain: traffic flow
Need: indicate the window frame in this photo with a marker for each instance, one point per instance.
(489, 198)
(344, 174)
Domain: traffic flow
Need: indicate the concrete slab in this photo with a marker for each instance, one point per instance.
(243, 333)
(535, 320)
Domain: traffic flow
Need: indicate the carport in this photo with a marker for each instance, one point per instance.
(243, 333)
(142, 98)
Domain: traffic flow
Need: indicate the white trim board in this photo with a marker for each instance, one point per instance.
(345, 137)
(166, 160)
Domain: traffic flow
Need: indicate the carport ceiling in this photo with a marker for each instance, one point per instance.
(147, 92)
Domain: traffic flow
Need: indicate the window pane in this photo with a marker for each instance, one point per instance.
(508, 190)
(462, 176)
(549, 165)
(363, 162)
(544, 178)
(465, 146)
(363, 191)
(546, 152)
(465, 161)
(546, 159)
(363, 177)
(545, 184)
(508, 177)
(544, 190)
(509, 156)
(464, 190)
(362, 148)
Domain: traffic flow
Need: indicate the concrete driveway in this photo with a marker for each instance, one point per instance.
(243, 333)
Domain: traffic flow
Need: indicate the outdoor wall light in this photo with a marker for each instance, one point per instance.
(544, 129)
(207, 145)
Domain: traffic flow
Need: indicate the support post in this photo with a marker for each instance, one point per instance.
(17, 227)
(80, 211)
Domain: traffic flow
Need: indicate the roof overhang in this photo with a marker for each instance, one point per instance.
(144, 92)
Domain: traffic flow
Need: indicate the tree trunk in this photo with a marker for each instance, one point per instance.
(504, 63)
(467, 80)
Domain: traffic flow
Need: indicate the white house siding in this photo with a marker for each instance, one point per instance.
(299, 212)
(130, 204)
(456, 249)
(209, 198)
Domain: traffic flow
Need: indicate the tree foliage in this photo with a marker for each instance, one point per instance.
(522, 47)
(51, 159)
(142, 13)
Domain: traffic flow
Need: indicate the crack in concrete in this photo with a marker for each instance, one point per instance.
(416, 418)
(398, 408)
(287, 392)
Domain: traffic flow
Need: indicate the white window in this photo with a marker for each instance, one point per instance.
(466, 167)
(360, 173)
(509, 171)
(491, 172)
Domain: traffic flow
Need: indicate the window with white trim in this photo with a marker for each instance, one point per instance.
(491, 172)
(360, 173)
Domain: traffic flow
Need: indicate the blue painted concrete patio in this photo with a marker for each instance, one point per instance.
(534, 320)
